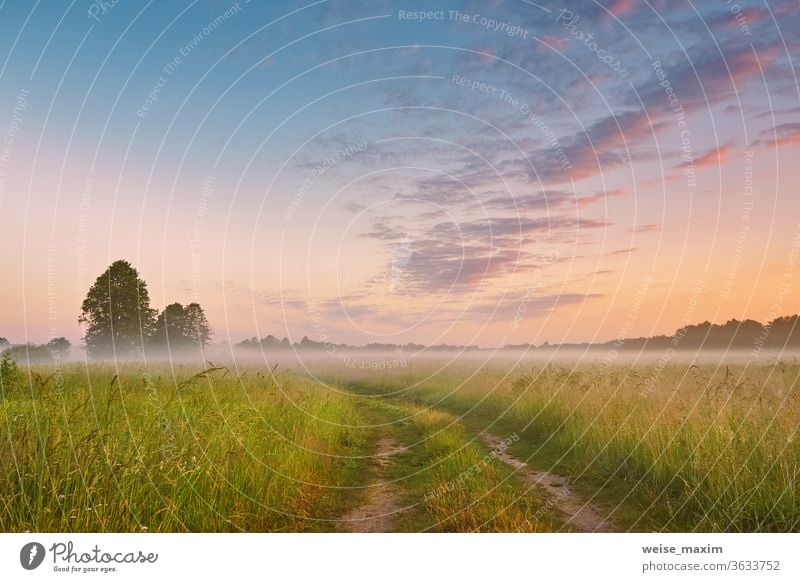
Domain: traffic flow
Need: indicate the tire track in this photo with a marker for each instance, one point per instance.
(380, 510)
(582, 516)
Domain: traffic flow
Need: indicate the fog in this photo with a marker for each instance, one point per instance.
(378, 360)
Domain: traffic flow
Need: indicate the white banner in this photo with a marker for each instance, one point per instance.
(401, 557)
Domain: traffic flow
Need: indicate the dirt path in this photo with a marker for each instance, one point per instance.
(379, 511)
(581, 516)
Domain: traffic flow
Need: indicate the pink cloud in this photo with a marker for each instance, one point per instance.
(748, 15)
(746, 64)
(715, 157)
(788, 140)
(588, 200)
(486, 54)
(621, 7)
(555, 41)
(651, 227)
(781, 135)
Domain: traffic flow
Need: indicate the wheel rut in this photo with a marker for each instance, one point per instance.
(582, 516)
(382, 506)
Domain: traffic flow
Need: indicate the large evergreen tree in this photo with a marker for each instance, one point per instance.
(117, 313)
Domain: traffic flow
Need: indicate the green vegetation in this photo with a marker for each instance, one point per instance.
(174, 451)
(679, 448)
(120, 322)
(177, 448)
(126, 449)
(29, 354)
(117, 312)
(179, 327)
(50, 352)
(449, 481)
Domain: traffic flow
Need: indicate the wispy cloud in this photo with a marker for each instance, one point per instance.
(781, 135)
(713, 157)
(623, 252)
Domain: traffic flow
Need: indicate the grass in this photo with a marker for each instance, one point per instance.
(126, 450)
(177, 448)
(450, 482)
(675, 448)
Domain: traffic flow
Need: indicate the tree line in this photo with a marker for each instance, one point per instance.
(56, 349)
(119, 321)
(272, 343)
(780, 333)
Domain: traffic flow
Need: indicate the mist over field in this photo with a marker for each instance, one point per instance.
(391, 266)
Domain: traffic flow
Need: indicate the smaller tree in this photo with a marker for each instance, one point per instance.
(179, 327)
(59, 346)
(4, 343)
(171, 328)
(198, 329)
(270, 342)
(29, 354)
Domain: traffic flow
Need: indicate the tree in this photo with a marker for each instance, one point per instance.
(171, 328)
(179, 327)
(29, 354)
(198, 328)
(784, 331)
(117, 313)
(4, 343)
(270, 342)
(59, 346)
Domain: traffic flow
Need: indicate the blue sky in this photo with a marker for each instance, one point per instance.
(487, 175)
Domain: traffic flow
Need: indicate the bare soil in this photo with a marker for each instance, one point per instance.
(380, 510)
(580, 515)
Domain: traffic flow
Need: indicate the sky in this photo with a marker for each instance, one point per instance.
(485, 173)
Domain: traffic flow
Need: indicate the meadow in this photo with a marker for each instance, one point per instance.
(673, 447)
(128, 449)
(432, 446)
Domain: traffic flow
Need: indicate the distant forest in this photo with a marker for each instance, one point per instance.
(271, 343)
(781, 333)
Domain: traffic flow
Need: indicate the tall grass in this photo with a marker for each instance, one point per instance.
(674, 447)
(452, 483)
(694, 448)
(131, 449)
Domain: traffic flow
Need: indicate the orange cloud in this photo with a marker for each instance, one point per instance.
(746, 64)
(623, 251)
(788, 140)
(555, 41)
(587, 200)
(621, 7)
(781, 135)
(748, 15)
(715, 157)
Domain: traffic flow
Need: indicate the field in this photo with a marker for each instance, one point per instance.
(429, 446)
